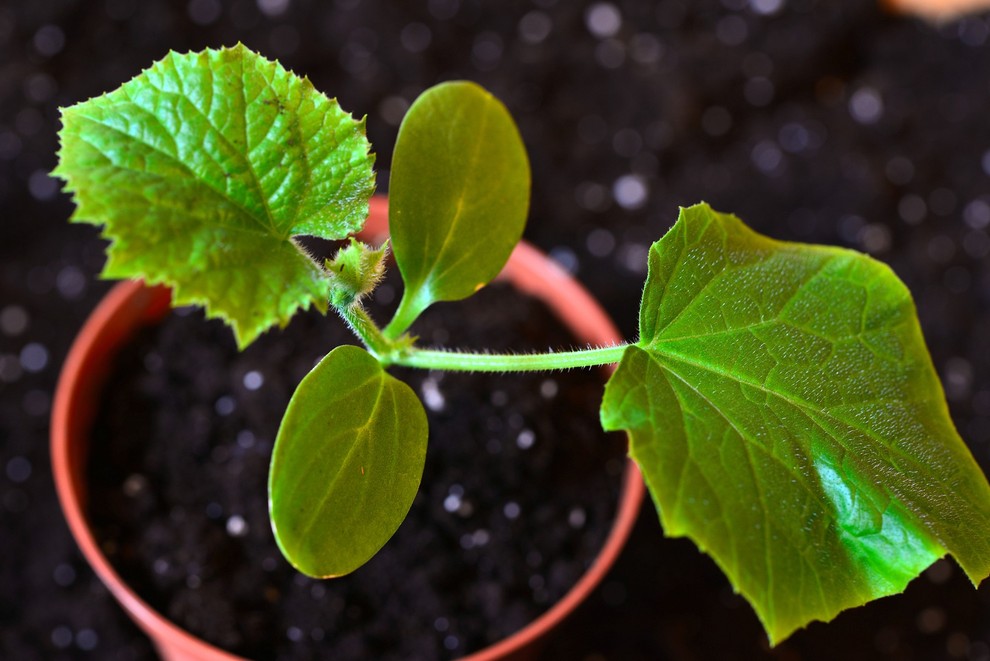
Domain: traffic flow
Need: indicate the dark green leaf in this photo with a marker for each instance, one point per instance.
(204, 167)
(786, 415)
(347, 463)
(458, 196)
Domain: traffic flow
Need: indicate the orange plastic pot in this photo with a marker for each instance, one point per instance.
(131, 305)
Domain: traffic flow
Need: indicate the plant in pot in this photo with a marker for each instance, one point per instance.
(779, 400)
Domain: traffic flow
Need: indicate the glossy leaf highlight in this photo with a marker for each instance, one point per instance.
(785, 413)
(202, 169)
(347, 463)
(458, 196)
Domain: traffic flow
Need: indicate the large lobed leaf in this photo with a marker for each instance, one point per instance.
(458, 196)
(786, 415)
(347, 463)
(202, 169)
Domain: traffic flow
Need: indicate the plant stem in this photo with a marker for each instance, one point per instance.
(367, 330)
(483, 362)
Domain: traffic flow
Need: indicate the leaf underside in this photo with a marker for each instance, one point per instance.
(347, 463)
(458, 195)
(203, 168)
(785, 413)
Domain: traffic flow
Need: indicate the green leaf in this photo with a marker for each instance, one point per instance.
(458, 196)
(347, 463)
(204, 167)
(786, 415)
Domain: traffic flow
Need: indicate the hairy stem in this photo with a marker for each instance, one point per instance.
(483, 362)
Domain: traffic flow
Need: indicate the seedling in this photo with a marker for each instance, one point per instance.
(779, 400)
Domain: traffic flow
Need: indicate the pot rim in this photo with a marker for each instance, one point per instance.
(131, 303)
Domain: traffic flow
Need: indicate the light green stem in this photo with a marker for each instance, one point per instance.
(483, 362)
(367, 330)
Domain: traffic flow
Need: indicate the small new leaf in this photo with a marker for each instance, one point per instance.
(355, 271)
(786, 416)
(458, 196)
(203, 168)
(347, 463)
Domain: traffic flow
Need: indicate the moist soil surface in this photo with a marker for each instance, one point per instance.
(518, 493)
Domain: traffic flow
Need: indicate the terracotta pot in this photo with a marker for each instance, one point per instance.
(130, 305)
(936, 10)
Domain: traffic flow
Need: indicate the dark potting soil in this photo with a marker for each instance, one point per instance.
(518, 493)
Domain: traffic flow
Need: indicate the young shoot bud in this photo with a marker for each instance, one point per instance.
(355, 271)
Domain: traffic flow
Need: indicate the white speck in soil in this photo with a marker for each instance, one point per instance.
(237, 526)
(630, 191)
(213, 510)
(451, 642)
(874, 238)
(525, 439)
(866, 105)
(34, 357)
(64, 575)
(633, 257)
(392, 109)
(592, 196)
(977, 214)
(576, 518)
(61, 637)
(87, 640)
(204, 12)
(600, 242)
(441, 624)
(245, 439)
(534, 27)
(973, 31)
(793, 137)
(603, 20)
(253, 380)
(912, 209)
(766, 156)
(70, 282)
(486, 51)
(452, 503)
(160, 566)
(565, 258)
(225, 405)
(49, 40)
(18, 469)
(958, 378)
(548, 389)
(467, 541)
(511, 510)
(273, 8)
(432, 397)
(13, 320)
(135, 485)
(766, 7)
(481, 537)
(42, 186)
(294, 634)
